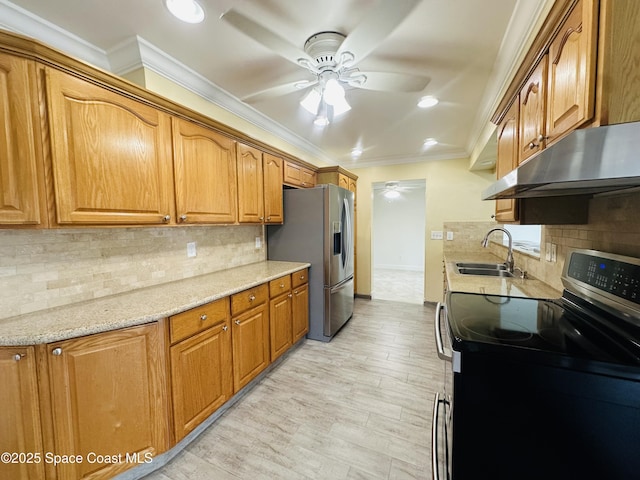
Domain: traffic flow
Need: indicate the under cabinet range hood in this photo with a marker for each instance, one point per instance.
(587, 161)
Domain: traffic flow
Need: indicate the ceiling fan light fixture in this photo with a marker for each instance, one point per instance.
(356, 153)
(188, 11)
(428, 102)
(391, 194)
(311, 101)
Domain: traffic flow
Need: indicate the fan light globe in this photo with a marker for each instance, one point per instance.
(188, 11)
(311, 101)
(391, 194)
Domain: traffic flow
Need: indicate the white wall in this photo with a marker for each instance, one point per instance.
(398, 229)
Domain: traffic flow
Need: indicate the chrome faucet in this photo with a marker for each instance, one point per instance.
(509, 261)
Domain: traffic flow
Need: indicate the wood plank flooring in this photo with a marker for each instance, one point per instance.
(358, 407)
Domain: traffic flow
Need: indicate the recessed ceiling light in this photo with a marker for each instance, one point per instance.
(430, 142)
(188, 11)
(427, 102)
(356, 153)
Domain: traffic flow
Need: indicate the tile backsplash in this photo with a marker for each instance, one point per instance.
(614, 227)
(41, 269)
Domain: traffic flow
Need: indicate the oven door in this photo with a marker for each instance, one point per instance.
(441, 431)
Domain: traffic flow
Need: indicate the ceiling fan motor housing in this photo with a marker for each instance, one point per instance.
(322, 47)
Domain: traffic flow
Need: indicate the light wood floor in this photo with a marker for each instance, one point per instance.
(358, 407)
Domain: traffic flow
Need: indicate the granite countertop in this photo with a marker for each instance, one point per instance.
(514, 286)
(138, 306)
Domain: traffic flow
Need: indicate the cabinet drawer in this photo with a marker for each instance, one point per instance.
(248, 299)
(279, 286)
(196, 320)
(299, 278)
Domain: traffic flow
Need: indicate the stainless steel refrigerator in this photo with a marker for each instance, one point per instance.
(318, 229)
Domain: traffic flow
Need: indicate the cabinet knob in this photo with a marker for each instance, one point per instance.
(18, 356)
(290, 295)
(532, 146)
(261, 219)
(252, 297)
(282, 285)
(301, 277)
(237, 322)
(166, 218)
(269, 218)
(56, 351)
(295, 291)
(183, 218)
(225, 328)
(203, 317)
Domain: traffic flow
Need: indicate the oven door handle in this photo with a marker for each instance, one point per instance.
(435, 474)
(439, 345)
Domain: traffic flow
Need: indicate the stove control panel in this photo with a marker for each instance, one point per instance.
(609, 273)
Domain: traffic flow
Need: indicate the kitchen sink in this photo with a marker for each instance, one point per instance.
(491, 272)
(492, 266)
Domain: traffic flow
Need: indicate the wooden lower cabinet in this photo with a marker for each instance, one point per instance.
(300, 310)
(250, 337)
(20, 434)
(201, 367)
(108, 401)
(288, 311)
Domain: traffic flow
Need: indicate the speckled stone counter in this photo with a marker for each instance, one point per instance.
(138, 306)
(515, 287)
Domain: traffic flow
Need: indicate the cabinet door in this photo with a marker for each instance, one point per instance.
(19, 415)
(508, 146)
(108, 394)
(201, 377)
(250, 185)
(300, 309)
(272, 167)
(280, 315)
(532, 112)
(572, 61)
(308, 178)
(250, 345)
(22, 198)
(205, 174)
(111, 155)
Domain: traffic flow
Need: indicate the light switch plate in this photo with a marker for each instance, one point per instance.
(191, 249)
(449, 235)
(258, 242)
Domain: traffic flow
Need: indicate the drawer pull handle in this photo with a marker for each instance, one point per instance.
(56, 351)
(252, 297)
(225, 328)
(282, 285)
(237, 322)
(203, 317)
(301, 277)
(18, 356)
(290, 296)
(166, 218)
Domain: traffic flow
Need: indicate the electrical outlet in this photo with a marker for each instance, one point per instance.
(191, 249)
(436, 235)
(554, 253)
(258, 242)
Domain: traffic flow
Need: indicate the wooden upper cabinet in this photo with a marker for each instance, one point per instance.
(298, 176)
(508, 151)
(572, 67)
(22, 197)
(111, 155)
(533, 112)
(343, 181)
(19, 416)
(250, 185)
(108, 395)
(273, 171)
(205, 174)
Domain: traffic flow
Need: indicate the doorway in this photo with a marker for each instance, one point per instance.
(398, 240)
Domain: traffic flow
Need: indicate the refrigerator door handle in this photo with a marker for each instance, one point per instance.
(347, 238)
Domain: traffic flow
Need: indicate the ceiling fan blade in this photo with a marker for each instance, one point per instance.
(377, 24)
(279, 90)
(391, 82)
(264, 36)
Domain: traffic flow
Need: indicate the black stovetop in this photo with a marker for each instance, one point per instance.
(566, 327)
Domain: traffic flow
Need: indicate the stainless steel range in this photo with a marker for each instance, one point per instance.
(543, 388)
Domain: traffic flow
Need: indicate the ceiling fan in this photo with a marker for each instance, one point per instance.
(393, 189)
(332, 58)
